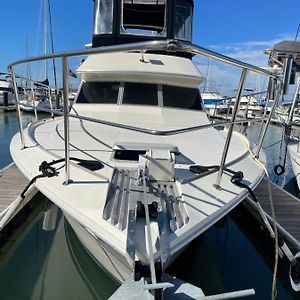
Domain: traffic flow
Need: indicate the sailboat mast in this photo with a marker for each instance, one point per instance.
(46, 35)
(52, 43)
(206, 85)
(28, 73)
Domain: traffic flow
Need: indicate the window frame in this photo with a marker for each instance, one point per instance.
(123, 31)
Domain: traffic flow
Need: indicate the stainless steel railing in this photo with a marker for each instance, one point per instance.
(169, 46)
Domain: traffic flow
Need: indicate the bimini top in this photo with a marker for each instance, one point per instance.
(133, 67)
(285, 49)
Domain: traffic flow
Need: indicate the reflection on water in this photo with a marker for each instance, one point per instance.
(50, 264)
(234, 254)
(8, 127)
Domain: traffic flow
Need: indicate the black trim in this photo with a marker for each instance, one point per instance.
(116, 37)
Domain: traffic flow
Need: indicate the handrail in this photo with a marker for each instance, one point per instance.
(149, 131)
(192, 48)
(168, 45)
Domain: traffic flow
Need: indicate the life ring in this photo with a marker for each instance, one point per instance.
(294, 273)
(279, 170)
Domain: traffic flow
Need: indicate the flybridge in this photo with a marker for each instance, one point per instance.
(125, 21)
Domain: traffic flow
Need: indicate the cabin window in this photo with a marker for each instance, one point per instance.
(183, 20)
(147, 17)
(103, 15)
(5, 89)
(99, 92)
(140, 94)
(181, 97)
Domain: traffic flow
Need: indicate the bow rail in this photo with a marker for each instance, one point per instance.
(167, 46)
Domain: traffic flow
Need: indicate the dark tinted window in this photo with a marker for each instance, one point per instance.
(183, 20)
(140, 94)
(145, 17)
(181, 97)
(99, 92)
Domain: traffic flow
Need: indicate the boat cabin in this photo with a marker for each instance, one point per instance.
(125, 21)
(126, 78)
(285, 56)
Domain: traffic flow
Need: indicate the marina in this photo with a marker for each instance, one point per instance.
(212, 254)
(119, 178)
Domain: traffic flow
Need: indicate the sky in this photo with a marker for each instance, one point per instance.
(240, 29)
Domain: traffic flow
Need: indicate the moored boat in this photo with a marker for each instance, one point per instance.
(284, 58)
(145, 170)
(7, 97)
(214, 103)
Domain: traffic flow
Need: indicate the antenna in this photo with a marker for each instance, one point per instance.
(296, 37)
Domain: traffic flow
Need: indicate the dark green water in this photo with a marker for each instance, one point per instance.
(234, 254)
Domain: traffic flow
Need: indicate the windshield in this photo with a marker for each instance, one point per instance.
(99, 92)
(132, 93)
(183, 20)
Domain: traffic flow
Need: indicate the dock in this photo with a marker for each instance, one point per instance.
(12, 183)
(286, 208)
(226, 117)
(7, 108)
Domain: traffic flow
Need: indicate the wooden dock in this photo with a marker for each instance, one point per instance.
(7, 108)
(286, 208)
(12, 183)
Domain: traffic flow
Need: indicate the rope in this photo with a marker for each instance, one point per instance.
(276, 244)
(274, 279)
(49, 171)
(272, 144)
(236, 178)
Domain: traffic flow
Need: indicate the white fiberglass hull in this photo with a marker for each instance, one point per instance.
(84, 200)
(283, 117)
(108, 258)
(295, 160)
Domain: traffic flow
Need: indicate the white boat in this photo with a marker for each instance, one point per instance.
(213, 102)
(249, 106)
(282, 114)
(283, 55)
(31, 101)
(136, 166)
(6, 93)
(102, 205)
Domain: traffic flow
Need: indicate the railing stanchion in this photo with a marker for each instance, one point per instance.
(33, 101)
(230, 130)
(263, 132)
(12, 73)
(50, 102)
(66, 118)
